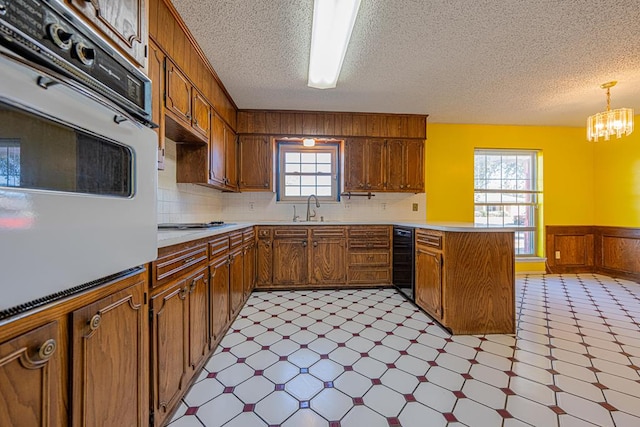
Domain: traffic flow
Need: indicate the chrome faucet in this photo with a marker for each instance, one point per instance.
(309, 215)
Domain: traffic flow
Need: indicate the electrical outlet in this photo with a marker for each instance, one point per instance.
(347, 205)
(383, 206)
(415, 207)
(557, 254)
(251, 206)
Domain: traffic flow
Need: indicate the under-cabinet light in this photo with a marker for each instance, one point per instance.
(333, 22)
(309, 142)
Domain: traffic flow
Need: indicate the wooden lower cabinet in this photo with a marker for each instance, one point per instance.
(428, 279)
(290, 261)
(170, 314)
(466, 280)
(198, 319)
(31, 378)
(218, 299)
(236, 282)
(323, 256)
(109, 340)
(249, 267)
(328, 256)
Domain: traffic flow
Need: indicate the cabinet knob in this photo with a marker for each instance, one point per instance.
(94, 323)
(361, 185)
(304, 243)
(266, 185)
(408, 185)
(47, 349)
(183, 293)
(315, 244)
(188, 116)
(195, 122)
(402, 186)
(192, 286)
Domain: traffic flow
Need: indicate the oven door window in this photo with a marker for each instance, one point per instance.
(38, 153)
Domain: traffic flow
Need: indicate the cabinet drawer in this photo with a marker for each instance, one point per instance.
(430, 238)
(235, 238)
(365, 258)
(177, 263)
(264, 233)
(370, 232)
(218, 246)
(369, 275)
(369, 244)
(290, 232)
(328, 232)
(248, 235)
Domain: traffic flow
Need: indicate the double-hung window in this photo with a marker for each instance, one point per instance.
(304, 171)
(9, 162)
(507, 193)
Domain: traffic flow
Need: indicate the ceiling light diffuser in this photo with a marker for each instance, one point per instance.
(309, 142)
(333, 22)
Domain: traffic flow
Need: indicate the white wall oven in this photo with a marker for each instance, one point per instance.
(77, 158)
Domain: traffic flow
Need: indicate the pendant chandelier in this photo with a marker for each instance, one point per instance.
(609, 122)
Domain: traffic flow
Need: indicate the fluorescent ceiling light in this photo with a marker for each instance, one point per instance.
(332, 25)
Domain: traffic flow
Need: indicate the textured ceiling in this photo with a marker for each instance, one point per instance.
(460, 61)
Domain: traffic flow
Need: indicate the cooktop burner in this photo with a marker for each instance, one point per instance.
(188, 225)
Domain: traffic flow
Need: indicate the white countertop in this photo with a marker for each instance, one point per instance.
(174, 237)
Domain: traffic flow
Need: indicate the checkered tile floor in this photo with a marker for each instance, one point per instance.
(367, 358)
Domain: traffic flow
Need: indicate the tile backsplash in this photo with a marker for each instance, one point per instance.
(195, 203)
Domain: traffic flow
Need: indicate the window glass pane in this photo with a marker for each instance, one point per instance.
(324, 158)
(323, 191)
(322, 168)
(291, 168)
(307, 191)
(308, 180)
(480, 197)
(292, 180)
(292, 191)
(292, 157)
(308, 157)
(324, 180)
(308, 168)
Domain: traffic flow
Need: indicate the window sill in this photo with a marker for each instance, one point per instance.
(524, 259)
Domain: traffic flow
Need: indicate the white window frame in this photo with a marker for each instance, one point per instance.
(9, 179)
(295, 145)
(529, 206)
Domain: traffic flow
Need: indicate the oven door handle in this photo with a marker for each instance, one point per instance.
(48, 78)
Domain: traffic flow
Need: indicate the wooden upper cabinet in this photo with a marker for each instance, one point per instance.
(355, 172)
(217, 152)
(156, 74)
(231, 158)
(414, 164)
(256, 163)
(201, 113)
(123, 22)
(110, 362)
(364, 168)
(376, 164)
(178, 95)
(31, 378)
(405, 170)
(319, 123)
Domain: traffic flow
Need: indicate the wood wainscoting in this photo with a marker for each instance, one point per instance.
(614, 251)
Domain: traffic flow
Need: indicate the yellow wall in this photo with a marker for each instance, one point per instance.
(567, 163)
(617, 180)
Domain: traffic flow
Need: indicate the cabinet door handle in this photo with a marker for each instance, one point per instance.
(188, 260)
(183, 293)
(304, 243)
(408, 185)
(47, 349)
(315, 244)
(192, 287)
(266, 185)
(94, 322)
(402, 186)
(188, 116)
(195, 122)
